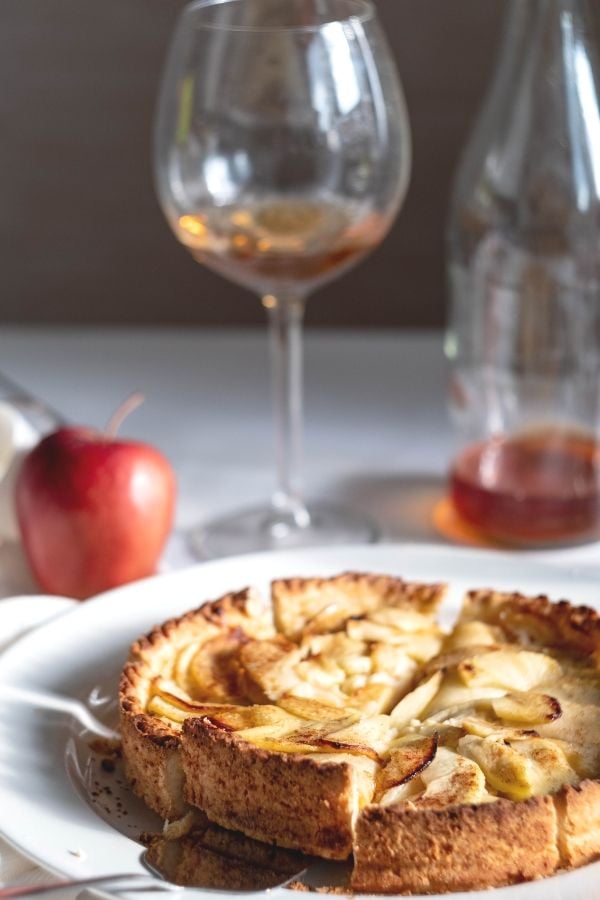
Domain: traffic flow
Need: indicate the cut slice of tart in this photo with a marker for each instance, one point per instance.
(509, 794)
(200, 854)
(301, 800)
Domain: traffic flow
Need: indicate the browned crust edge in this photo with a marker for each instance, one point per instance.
(151, 755)
(230, 611)
(263, 794)
(386, 587)
(356, 588)
(578, 810)
(152, 768)
(572, 629)
(407, 850)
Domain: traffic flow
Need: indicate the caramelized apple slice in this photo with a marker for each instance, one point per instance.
(375, 697)
(450, 779)
(405, 762)
(337, 646)
(183, 659)
(369, 737)
(313, 710)
(473, 634)
(521, 769)
(408, 620)
(420, 645)
(238, 718)
(449, 736)
(414, 704)
(168, 702)
(453, 695)
(170, 690)
(528, 707)
(402, 793)
(229, 717)
(308, 737)
(315, 606)
(549, 762)
(303, 690)
(320, 671)
(215, 672)
(315, 733)
(512, 669)
(270, 665)
(451, 659)
(394, 661)
(158, 706)
(282, 736)
(484, 728)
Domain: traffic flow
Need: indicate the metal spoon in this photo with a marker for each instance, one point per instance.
(58, 703)
(138, 882)
(110, 883)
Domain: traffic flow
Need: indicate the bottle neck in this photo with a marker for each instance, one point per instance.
(532, 161)
(525, 14)
(543, 28)
(544, 100)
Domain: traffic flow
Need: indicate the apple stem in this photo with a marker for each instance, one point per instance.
(122, 412)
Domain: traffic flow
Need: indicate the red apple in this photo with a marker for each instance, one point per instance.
(94, 512)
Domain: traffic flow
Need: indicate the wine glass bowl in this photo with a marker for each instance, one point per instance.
(288, 243)
(282, 151)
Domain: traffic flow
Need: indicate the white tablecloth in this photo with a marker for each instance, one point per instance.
(377, 435)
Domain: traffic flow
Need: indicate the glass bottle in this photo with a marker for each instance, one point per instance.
(524, 267)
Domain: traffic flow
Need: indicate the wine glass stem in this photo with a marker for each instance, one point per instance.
(286, 314)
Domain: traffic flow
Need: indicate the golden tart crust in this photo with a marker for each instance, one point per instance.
(220, 768)
(462, 848)
(425, 807)
(151, 744)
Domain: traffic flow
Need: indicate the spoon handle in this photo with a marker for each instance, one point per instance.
(57, 703)
(38, 413)
(110, 882)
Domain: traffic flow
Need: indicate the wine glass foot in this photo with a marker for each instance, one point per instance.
(266, 528)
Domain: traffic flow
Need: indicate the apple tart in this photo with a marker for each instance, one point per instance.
(343, 720)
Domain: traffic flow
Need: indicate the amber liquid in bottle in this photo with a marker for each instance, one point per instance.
(539, 488)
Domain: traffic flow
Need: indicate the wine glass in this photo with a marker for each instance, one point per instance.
(282, 155)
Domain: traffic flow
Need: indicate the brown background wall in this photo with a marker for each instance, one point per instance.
(81, 236)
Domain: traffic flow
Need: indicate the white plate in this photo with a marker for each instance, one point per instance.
(42, 810)
(18, 615)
